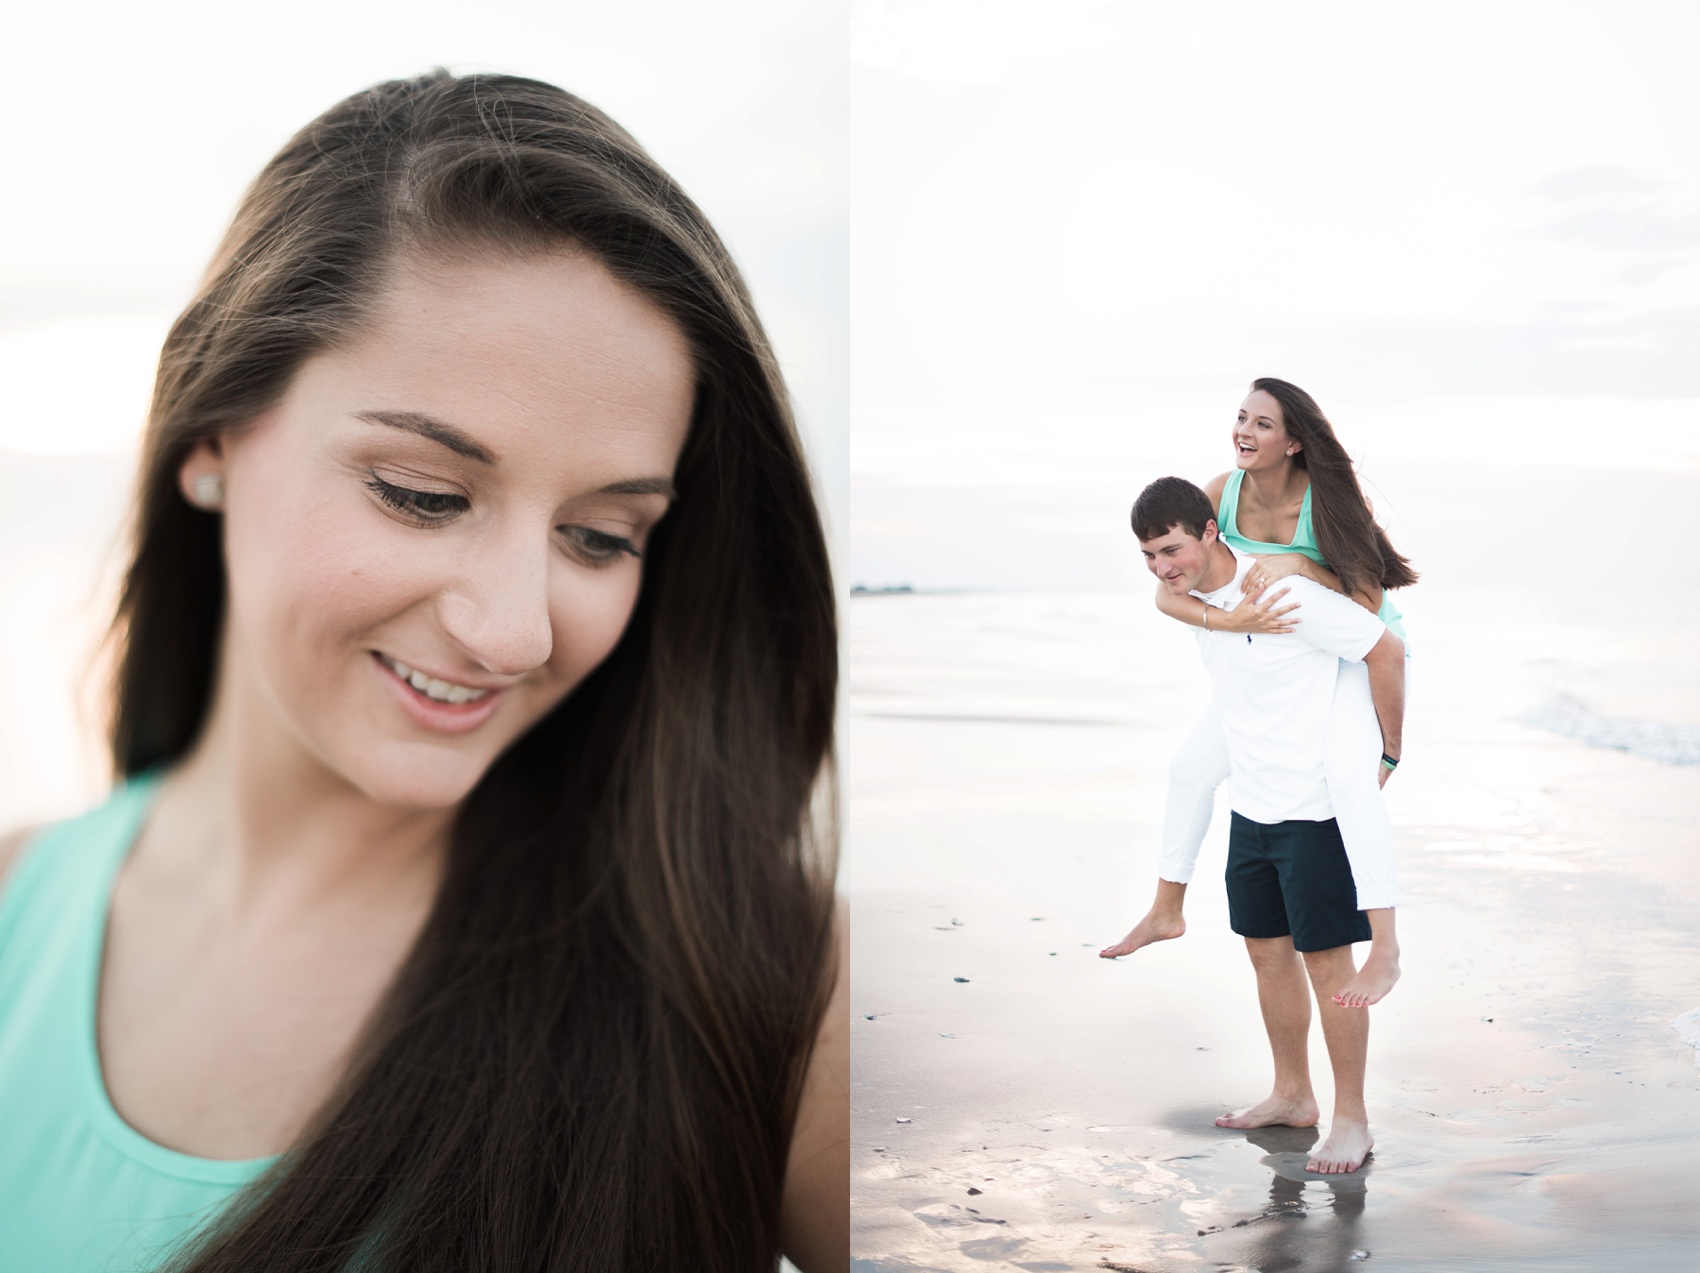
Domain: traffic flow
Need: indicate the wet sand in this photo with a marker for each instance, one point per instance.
(1533, 1107)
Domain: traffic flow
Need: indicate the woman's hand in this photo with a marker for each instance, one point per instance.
(1271, 567)
(1251, 615)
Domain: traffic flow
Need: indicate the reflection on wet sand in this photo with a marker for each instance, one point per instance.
(1329, 1240)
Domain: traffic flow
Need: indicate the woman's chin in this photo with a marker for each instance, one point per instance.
(418, 778)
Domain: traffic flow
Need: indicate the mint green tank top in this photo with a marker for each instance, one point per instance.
(1304, 541)
(81, 1191)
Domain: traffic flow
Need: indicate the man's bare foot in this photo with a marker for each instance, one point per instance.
(1153, 927)
(1347, 1146)
(1372, 981)
(1274, 1111)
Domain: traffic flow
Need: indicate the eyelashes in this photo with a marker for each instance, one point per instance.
(430, 509)
(598, 547)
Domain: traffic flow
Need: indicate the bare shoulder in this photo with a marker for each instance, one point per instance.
(1214, 487)
(11, 845)
(815, 1212)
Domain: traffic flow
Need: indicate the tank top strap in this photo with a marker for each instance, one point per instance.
(1226, 520)
(1304, 536)
(56, 894)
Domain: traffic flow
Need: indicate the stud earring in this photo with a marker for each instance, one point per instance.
(209, 491)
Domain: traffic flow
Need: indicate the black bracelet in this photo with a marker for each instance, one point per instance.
(1391, 763)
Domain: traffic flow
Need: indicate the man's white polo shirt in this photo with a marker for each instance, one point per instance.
(1273, 693)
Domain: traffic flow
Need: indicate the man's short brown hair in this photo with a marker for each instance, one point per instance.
(1169, 502)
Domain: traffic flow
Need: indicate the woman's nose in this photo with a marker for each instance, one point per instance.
(498, 611)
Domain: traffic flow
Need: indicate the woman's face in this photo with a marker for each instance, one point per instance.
(1261, 440)
(438, 532)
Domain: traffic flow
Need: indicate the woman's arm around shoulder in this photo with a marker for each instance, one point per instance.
(1188, 608)
(1276, 566)
(815, 1212)
(1264, 614)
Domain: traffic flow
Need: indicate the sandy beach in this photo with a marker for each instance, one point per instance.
(1021, 1103)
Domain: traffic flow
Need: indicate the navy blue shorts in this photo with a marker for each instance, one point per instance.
(1293, 879)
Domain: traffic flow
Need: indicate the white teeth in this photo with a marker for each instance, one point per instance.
(431, 687)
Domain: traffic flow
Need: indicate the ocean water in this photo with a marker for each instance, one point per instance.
(1687, 1027)
(1656, 740)
(1554, 498)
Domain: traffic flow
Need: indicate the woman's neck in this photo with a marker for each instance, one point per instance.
(252, 808)
(1277, 487)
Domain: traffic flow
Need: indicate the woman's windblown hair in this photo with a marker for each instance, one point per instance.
(591, 1059)
(1357, 549)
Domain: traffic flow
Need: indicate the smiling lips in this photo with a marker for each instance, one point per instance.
(432, 688)
(433, 704)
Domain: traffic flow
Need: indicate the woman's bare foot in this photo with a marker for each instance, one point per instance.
(1372, 982)
(1274, 1111)
(1347, 1146)
(1154, 927)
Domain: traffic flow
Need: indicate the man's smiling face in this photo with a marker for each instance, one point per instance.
(1180, 560)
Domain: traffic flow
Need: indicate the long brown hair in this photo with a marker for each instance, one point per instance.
(592, 1056)
(1355, 546)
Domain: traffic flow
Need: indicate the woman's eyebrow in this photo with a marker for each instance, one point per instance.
(429, 427)
(458, 442)
(641, 486)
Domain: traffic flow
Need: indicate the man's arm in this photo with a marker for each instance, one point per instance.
(1386, 664)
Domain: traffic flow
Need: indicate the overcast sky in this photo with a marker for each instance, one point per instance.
(1071, 212)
